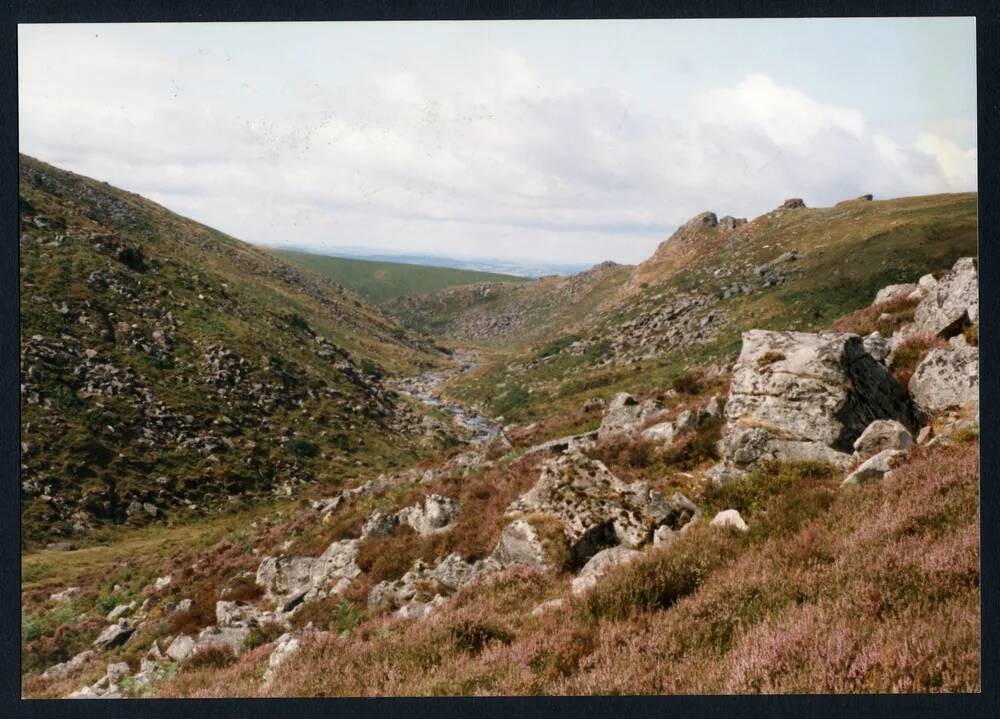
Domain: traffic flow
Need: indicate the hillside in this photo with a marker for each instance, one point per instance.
(642, 327)
(746, 465)
(169, 370)
(379, 282)
(499, 314)
(802, 521)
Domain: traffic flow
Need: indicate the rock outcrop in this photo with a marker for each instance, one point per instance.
(291, 580)
(800, 396)
(947, 378)
(595, 509)
(625, 416)
(952, 304)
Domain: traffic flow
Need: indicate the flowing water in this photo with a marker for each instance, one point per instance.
(428, 388)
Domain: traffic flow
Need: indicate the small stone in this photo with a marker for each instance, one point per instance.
(731, 519)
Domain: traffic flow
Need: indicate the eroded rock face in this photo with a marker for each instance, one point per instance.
(290, 580)
(444, 578)
(947, 378)
(600, 564)
(520, 544)
(436, 514)
(802, 396)
(595, 509)
(952, 303)
(625, 416)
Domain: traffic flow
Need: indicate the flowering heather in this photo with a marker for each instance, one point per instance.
(849, 594)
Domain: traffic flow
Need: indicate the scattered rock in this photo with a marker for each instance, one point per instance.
(599, 565)
(624, 417)
(181, 648)
(890, 292)
(162, 583)
(520, 544)
(65, 595)
(730, 519)
(114, 635)
(379, 525)
(875, 467)
(121, 610)
(883, 434)
(547, 606)
(436, 515)
(793, 204)
(291, 580)
(65, 669)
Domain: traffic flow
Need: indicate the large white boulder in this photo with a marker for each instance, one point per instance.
(802, 396)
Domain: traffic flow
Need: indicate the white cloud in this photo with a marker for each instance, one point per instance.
(489, 158)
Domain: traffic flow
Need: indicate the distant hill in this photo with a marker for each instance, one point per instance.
(564, 339)
(379, 281)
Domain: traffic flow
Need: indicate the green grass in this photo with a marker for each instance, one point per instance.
(378, 281)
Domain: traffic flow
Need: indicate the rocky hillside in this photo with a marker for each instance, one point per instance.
(497, 312)
(803, 520)
(793, 268)
(168, 370)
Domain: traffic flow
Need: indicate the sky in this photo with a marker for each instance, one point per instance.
(546, 141)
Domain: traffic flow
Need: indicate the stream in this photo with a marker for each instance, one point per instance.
(428, 388)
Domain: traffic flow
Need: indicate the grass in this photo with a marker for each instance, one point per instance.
(379, 281)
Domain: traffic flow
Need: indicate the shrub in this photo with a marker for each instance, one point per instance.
(658, 579)
(472, 636)
(750, 494)
(686, 384)
(302, 448)
(971, 334)
(511, 402)
(243, 589)
(215, 656)
(200, 615)
(558, 345)
(770, 357)
(264, 634)
(885, 317)
(693, 448)
(389, 557)
(910, 353)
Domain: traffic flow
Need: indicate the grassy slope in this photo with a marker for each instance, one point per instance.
(831, 591)
(201, 287)
(381, 281)
(849, 251)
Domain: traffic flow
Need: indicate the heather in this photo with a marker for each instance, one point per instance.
(849, 596)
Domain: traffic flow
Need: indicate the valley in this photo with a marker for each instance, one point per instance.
(748, 464)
